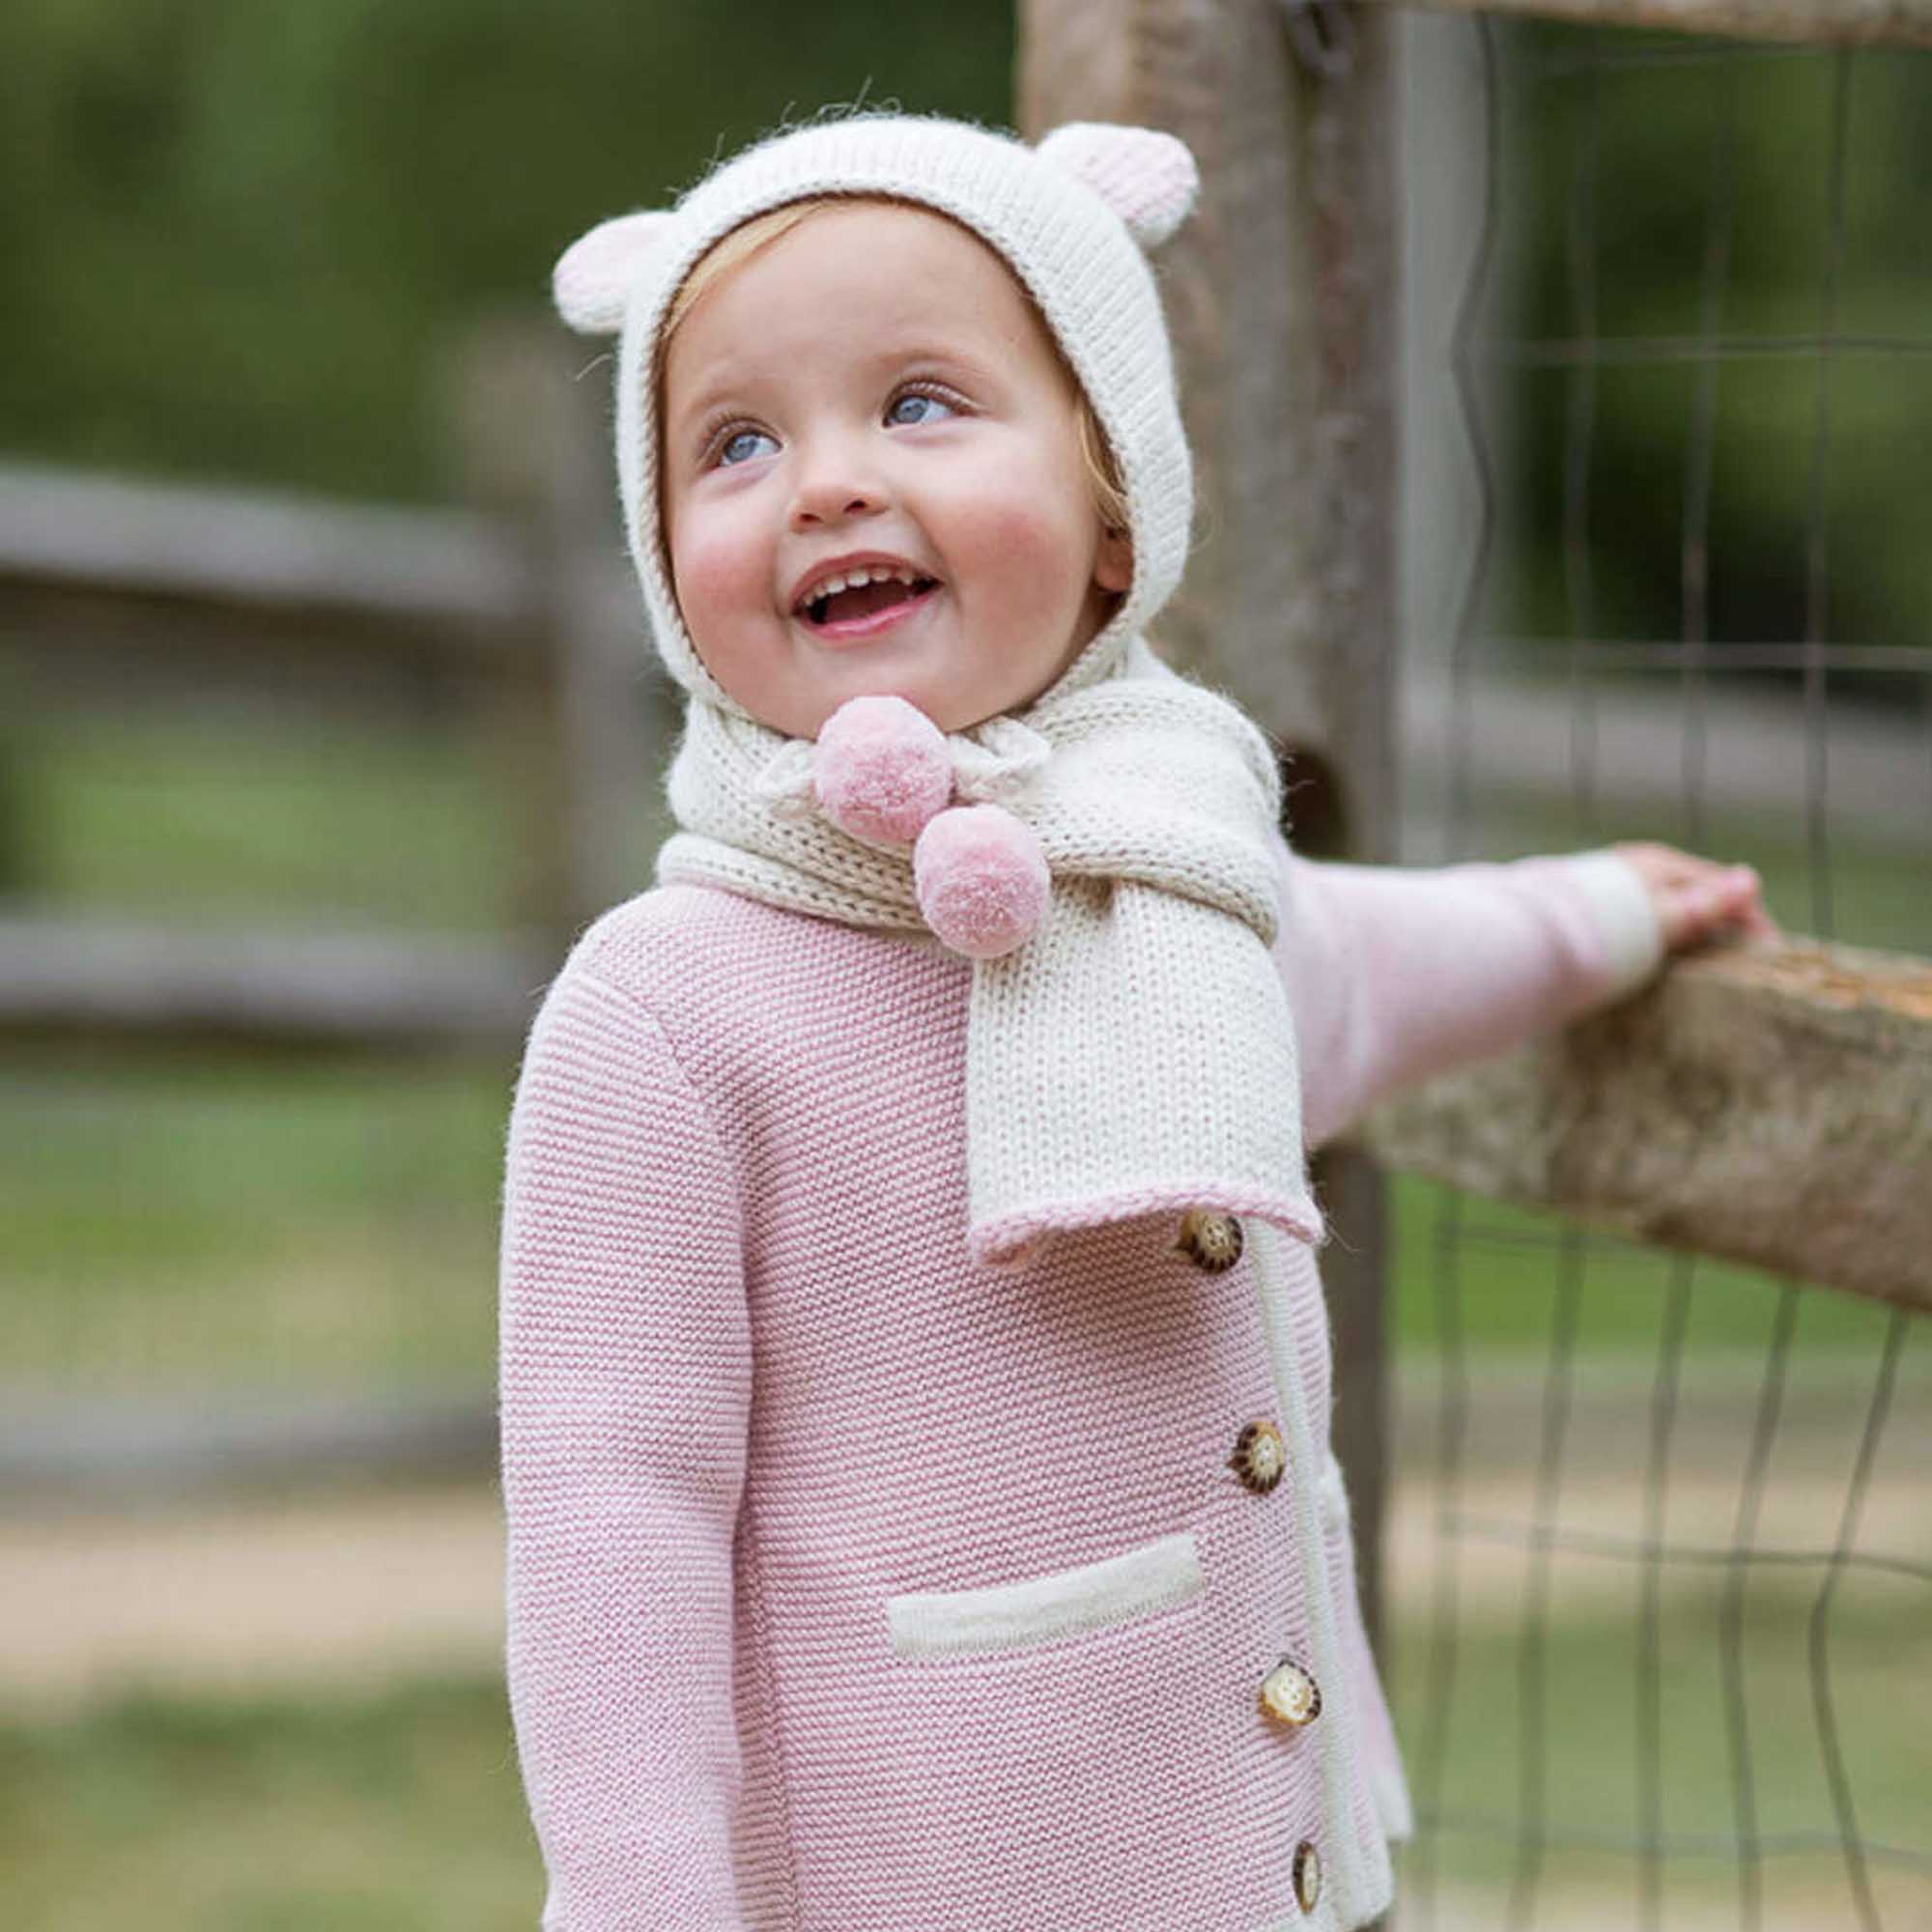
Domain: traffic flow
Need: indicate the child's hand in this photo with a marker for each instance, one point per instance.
(1696, 898)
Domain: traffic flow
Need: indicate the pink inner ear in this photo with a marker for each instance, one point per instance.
(1147, 178)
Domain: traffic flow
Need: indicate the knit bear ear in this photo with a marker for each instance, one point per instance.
(594, 276)
(1147, 179)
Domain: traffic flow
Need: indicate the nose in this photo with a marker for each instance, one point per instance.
(836, 483)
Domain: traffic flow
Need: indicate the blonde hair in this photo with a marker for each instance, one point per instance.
(732, 250)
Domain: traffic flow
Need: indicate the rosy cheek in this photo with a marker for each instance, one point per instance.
(714, 572)
(1016, 533)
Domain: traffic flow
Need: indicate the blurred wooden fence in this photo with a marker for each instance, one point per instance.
(528, 592)
(1283, 302)
(1284, 305)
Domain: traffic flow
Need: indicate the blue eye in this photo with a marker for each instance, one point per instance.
(916, 407)
(742, 445)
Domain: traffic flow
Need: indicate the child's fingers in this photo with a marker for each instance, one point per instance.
(1696, 898)
(1711, 900)
(1755, 917)
(1689, 915)
(1747, 907)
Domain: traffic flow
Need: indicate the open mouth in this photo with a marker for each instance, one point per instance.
(856, 598)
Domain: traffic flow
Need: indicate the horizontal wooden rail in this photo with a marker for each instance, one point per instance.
(106, 533)
(283, 987)
(1522, 726)
(59, 1449)
(1769, 1106)
(90, 535)
(1906, 23)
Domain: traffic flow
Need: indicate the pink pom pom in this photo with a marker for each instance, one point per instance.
(881, 769)
(982, 880)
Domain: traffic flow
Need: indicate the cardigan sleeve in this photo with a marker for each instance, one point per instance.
(1396, 974)
(624, 1383)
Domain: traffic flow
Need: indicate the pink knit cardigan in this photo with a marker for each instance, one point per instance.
(852, 1588)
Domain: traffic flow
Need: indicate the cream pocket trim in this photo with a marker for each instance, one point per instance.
(1012, 1616)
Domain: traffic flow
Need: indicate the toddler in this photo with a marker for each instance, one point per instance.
(915, 1379)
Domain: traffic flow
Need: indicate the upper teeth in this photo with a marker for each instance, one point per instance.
(851, 580)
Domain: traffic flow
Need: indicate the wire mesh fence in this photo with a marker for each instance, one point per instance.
(1669, 1615)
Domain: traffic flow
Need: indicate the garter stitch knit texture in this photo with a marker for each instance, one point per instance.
(1154, 800)
(856, 1584)
(857, 1587)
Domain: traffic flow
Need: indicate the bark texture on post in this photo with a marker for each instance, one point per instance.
(1769, 1106)
(1281, 294)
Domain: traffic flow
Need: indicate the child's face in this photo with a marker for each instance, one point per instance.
(873, 388)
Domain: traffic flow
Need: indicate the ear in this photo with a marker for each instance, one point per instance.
(1147, 179)
(594, 276)
(1114, 564)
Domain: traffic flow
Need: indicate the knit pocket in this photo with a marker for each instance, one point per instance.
(1099, 1596)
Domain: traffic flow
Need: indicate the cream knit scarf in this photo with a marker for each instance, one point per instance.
(1136, 1055)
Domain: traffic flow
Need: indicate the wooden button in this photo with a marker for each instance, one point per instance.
(1290, 1695)
(1211, 1241)
(1259, 1457)
(1307, 1876)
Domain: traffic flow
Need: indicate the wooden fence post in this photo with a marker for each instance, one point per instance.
(531, 429)
(1282, 296)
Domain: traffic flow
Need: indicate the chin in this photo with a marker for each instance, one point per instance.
(946, 711)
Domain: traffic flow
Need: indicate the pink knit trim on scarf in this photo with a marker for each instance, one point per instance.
(1014, 1240)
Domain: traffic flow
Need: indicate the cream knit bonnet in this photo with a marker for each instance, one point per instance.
(1135, 1055)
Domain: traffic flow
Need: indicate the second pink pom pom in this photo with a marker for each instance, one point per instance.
(982, 879)
(881, 769)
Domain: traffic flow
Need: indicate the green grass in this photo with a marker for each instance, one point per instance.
(182, 1219)
(226, 813)
(1501, 1269)
(400, 1813)
(1879, 1643)
(285, 811)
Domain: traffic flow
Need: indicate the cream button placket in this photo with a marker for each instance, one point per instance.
(1307, 1876)
(1290, 1695)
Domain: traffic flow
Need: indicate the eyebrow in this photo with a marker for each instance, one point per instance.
(920, 349)
(705, 404)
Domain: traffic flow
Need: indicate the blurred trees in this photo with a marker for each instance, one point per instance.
(235, 236)
(1664, 189)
